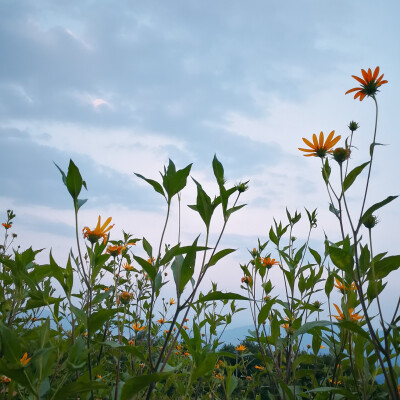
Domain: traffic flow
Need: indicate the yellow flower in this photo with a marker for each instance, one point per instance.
(136, 326)
(150, 261)
(24, 359)
(128, 267)
(98, 232)
(268, 262)
(369, 85)
(319, 148)
(322, 347)
(115, 250)
(172, 301)
(240, 348)
(353, 316)
(259, 367)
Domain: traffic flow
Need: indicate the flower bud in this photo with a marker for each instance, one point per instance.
(341, 154)
(353, 126)
(370, 221)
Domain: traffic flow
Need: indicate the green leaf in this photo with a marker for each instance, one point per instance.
(351, 177)
(205, 366)
(135, 385)
(221, 296)
(354, 327)
(218, 171)
(78, 387)
(217, 256)
(372, 147)
(174, 181)
(342, 259)
(80, 314)
(149, 268)
(63, 176)
(329, 284)
(376, 206)
(74, 181)
(326, 171)
(99, 318)
(305, 328)
(265, 310)
(384, 267)
(316, 255)
(10, 344)
(347, 394)
(147, 248)
(273, 237)
(156, 186)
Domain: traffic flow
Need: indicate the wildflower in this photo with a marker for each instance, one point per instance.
(85, 334)
(179, 347)
(322, 347)
(219, 377)
(334, 382)
(185, 327)
(369, 85)
(125, 297)
(128, 267)
(249, 378)
(5, 379)
(186, 354)
(186, 319)
(172, 301)
(343, 288)
(24, 359)
(240, 348)
(115, 250)
(99, 376)
(267, 298)
(319, 148)
(341, 154)
(161, 321)
(131, 343)
(34, 319)
(353, 316)
(259, 367)
(137, 328)
(242, 186)
(166, 331)
(7, 226)
(106, 289)
(98, 232)
(317, 304)
(247, 279)
(149, 260)
(268, 262)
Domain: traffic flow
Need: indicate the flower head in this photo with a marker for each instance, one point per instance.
(5, 379)
(172, 301)
(369, 85)
(241, 347)
(137, 328)
(319, 148)
(125, 297)
(268, 262)
(259, 367)
(341, 154)
(128, 267)
(353, 316)
(115, 250)
(98, 232)
(24, 359)
(161, 321)
(7, 226)
(343, 288)
(247, 279)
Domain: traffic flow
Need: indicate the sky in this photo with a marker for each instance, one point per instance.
(121, 87)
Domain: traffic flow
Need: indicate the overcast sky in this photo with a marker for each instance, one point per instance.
(121, 86)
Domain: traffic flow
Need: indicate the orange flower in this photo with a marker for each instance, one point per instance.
(106, 289)
(259, 367)
(247, 279)
(161, 321)
(268, 262)
(353, 316)
(369, 85)
(319, 148)
(24, 359)
(344, 288)
(166, 331)
(240, 348)
(178, 347)
(185, 327)
(128, 267)
(115, 250)
(249, 378)
(131, 343)
(98, 232)
(7, 226)
(137, 328)
(172, 301)
(125, 297)
(150, 261)
(5, 379)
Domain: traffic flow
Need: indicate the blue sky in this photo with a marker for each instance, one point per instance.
(120, 87)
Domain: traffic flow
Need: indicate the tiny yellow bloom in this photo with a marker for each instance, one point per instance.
(240, 348)
(98, 232)
(172, 301)
(137, 328)
(319, 148)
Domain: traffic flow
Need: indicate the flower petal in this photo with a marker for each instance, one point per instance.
(359, 80)
(353, 90)
(308, 143)
(365, 75)
(376, 73)
(321, 139)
